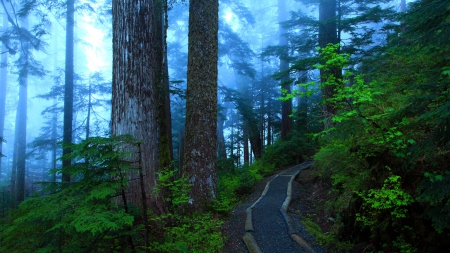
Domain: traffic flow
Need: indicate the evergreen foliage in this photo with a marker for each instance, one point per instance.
(91, 213)
(386, 155)
(82, 215)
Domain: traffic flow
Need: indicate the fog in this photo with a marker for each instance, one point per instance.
(249, 32)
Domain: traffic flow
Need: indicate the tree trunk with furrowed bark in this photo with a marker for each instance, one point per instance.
(137, 66)
(201, 103)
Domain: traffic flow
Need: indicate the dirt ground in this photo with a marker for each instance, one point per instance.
(310, 195)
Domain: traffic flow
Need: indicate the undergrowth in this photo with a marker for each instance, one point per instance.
(387, 161)
(84, 216)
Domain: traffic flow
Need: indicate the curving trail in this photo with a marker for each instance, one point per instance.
(268, 227)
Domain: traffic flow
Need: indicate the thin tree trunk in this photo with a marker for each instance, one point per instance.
(286, 106)
(269, 123)
(68, 87)
(21, 139)
(13, 186)
(255, 141)
(55, 104)
(164, 117)
(302, 106)
(180, 150)
(54, 140)
(403, 10)
(328, 33)
(21, 119)
(88, 118)
(245, 139)
(3, 81)
(221, 150)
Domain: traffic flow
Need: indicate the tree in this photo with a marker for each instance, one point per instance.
(21, 118)
(286, 106)
(201, 103)
(68, 87)
(3, 81)
(19, 39)
(135, 102)
(164, 117)
(249, 117)
(328, 33)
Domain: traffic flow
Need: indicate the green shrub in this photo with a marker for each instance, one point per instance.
(387, 157)
(80, 216)
(292, 151)
(195, 233)
(330, 240)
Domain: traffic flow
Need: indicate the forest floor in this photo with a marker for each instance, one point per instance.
(309, 196)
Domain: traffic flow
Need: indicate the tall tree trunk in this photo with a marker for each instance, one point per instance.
(164, 114)
(3, 80)
(13, 190)
(269, 123)
(328, 33)
(88, 118)
(286, 106)
(164, 117)
(68, 87)
(21, 118)
(403, 6)
(180, 150)
(54, 140)
(302, 105)
(245, 139)
(255, 141)
(221, 149)
(200, 160)
(136, 71)
(55, 104)
(403, 10)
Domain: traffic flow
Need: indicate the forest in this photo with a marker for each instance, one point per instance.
(138, 125)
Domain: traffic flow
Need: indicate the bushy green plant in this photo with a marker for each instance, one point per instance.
(83, 215)
(375, 152)
(239, 182)
(227, 187)
(391, 197)
(192, 233)
(292, 151)
(330, 240)
(80, 216)
(182, 231)
(434, 190)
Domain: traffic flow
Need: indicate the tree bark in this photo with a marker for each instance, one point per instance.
(286, 106)
(221, 149)
(88, 117)
(3, 81)
(135, 109)
(164, 117)
(68, 87)
(245, 139)
(21, 119)
(200, 160)
(302, 106)
(54, 140)
(328, 33)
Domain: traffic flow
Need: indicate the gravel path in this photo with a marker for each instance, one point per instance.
(270, 227)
